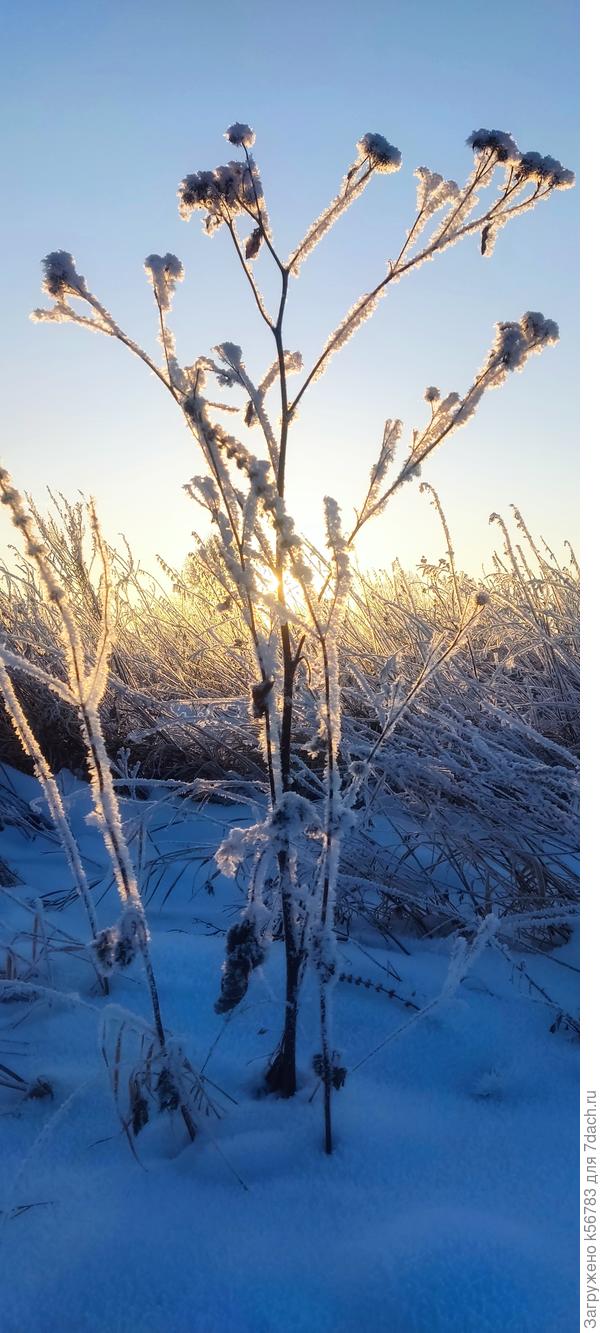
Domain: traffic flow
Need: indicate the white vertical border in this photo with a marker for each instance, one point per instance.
(589, 177)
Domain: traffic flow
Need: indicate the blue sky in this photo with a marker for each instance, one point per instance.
(106, 106)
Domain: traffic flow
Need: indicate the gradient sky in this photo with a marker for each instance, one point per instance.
(105, 107)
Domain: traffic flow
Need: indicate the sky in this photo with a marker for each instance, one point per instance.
(106, 106)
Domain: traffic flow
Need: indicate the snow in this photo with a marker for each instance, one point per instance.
(450, 1201)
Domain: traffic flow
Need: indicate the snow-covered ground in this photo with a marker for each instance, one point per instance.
(449, 1205)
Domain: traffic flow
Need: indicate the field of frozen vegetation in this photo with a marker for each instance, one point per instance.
(288, 854)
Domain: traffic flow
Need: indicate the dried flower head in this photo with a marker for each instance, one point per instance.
(515, 342)
(167, 1091)
(103, 948)
(244, 953)
(163, 272)
(241, 135)
(528, 166)
(60, 275)
(431, 394)
(260, 693)
(546, 170)
(538, 330)
(223, 193)
(503, 144)
(381, 154)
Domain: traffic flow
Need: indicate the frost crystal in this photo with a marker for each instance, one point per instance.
(381, 154)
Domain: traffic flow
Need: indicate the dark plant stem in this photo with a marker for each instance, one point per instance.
(281, 1074)
(326, 1071)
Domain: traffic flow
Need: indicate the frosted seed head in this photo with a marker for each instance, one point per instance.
(499, 141)
(530, 165)
(539, 331)
(431, 394)
(555, 174)
(383, 156)
(219, 194)
(198, 190)
(103, 949)
(564, 179)
(60, 275)
(242, 136)
(510, 348)
(229, 352)
(547, 170)
(164, 272)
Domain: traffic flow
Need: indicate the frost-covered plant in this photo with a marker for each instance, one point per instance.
(117, 946)
(292, 606)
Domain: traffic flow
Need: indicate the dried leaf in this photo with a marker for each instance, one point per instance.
(253, 243)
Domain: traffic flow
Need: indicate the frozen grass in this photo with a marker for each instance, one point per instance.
(485, 767)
